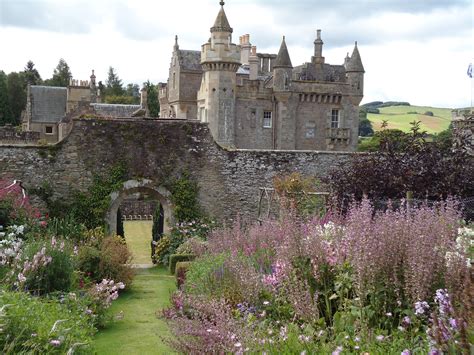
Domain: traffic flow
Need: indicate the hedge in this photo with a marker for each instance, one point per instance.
(175, 258)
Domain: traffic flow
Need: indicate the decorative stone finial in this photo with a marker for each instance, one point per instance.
(222, 3)
(356, 43)
(318, 34)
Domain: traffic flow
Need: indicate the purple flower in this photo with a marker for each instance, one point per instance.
(406, 321)
(379, 337)
(421, 307)
(337, 351)
(55, 342)
(405, 352)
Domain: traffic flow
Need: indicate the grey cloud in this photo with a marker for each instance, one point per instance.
(74, 17)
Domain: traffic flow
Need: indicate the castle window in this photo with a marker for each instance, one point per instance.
(174, 80)
(335, 119)
(48, 129)
(267, 119)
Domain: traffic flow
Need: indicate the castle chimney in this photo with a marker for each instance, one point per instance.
(318, 49)
(253, 63)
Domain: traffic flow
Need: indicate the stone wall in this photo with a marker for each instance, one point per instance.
(10, 135)
(158, 150)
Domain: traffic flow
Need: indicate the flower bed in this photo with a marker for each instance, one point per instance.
(394, 281)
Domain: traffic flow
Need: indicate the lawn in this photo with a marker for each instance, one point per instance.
(138, 237)
(141, 329)
(399, 117)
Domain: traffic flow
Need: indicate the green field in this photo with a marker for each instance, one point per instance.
(138, 237)
(399, 117)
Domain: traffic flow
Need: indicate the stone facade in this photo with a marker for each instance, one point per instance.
(259, 100)
(157, 150)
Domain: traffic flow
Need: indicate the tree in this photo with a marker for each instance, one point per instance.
(365, 128)
(133, 90)
(61, 75)
(6, 115)
(31, 75)
(113, 84)
(404, 163)
(152, 99)
(120, 229)
(16, 95)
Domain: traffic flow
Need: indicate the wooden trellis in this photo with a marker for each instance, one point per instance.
(269, 195)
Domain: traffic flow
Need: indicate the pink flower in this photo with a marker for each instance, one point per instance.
(55, 342)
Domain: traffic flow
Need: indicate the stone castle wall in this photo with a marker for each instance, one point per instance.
(229, 181)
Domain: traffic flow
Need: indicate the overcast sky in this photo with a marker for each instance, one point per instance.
(412, 50)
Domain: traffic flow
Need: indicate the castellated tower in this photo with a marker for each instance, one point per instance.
(355, 75)
(220, 60)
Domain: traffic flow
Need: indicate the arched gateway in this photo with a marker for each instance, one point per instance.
(130, 187)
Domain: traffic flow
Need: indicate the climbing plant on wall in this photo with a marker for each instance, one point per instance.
(184, 194)
(90, 207)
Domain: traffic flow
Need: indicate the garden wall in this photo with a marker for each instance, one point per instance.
(229, 180)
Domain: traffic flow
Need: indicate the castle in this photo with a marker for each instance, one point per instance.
(260, 101)
(249, 100)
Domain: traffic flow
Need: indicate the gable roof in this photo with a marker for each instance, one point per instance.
(48, 103)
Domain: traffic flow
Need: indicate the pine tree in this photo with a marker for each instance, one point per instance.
(120, 229)
(31, 75)
(157, 229)
(5, 110)
(152, 100)
(113, 84)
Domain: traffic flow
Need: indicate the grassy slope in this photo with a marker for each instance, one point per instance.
(140, 331)
(398, 117)
(138, 237)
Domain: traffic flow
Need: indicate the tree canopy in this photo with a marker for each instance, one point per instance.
(61, 75)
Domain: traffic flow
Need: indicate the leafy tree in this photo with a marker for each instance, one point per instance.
(31, 75)
(365, 128)
(61, 75)
(6, 115)
(16, 95)
(404, 163)
(113, 84)
(133, 90)
(124, 100)
(152, 99)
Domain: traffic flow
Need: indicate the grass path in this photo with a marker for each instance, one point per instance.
(140, 329)
(138, 237)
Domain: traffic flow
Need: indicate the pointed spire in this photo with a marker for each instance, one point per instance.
(221, 24)
(283, 58)
(354, 64)
(176, 45)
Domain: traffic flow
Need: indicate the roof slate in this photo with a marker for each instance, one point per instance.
(48, 103)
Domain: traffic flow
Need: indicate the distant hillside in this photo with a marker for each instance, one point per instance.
(400, 114)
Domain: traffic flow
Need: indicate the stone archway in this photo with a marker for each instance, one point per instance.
(133, 186)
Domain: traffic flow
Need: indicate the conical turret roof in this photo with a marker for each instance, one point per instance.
(221, 24)
(354, 64)
(283, 58)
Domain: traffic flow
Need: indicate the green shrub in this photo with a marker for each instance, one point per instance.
(36, 325)
(182, 268)
(51, 266)
(161, 248)
(218, 276)
(175, 258)
(67, 228)
(88, 261)
(114, 258)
